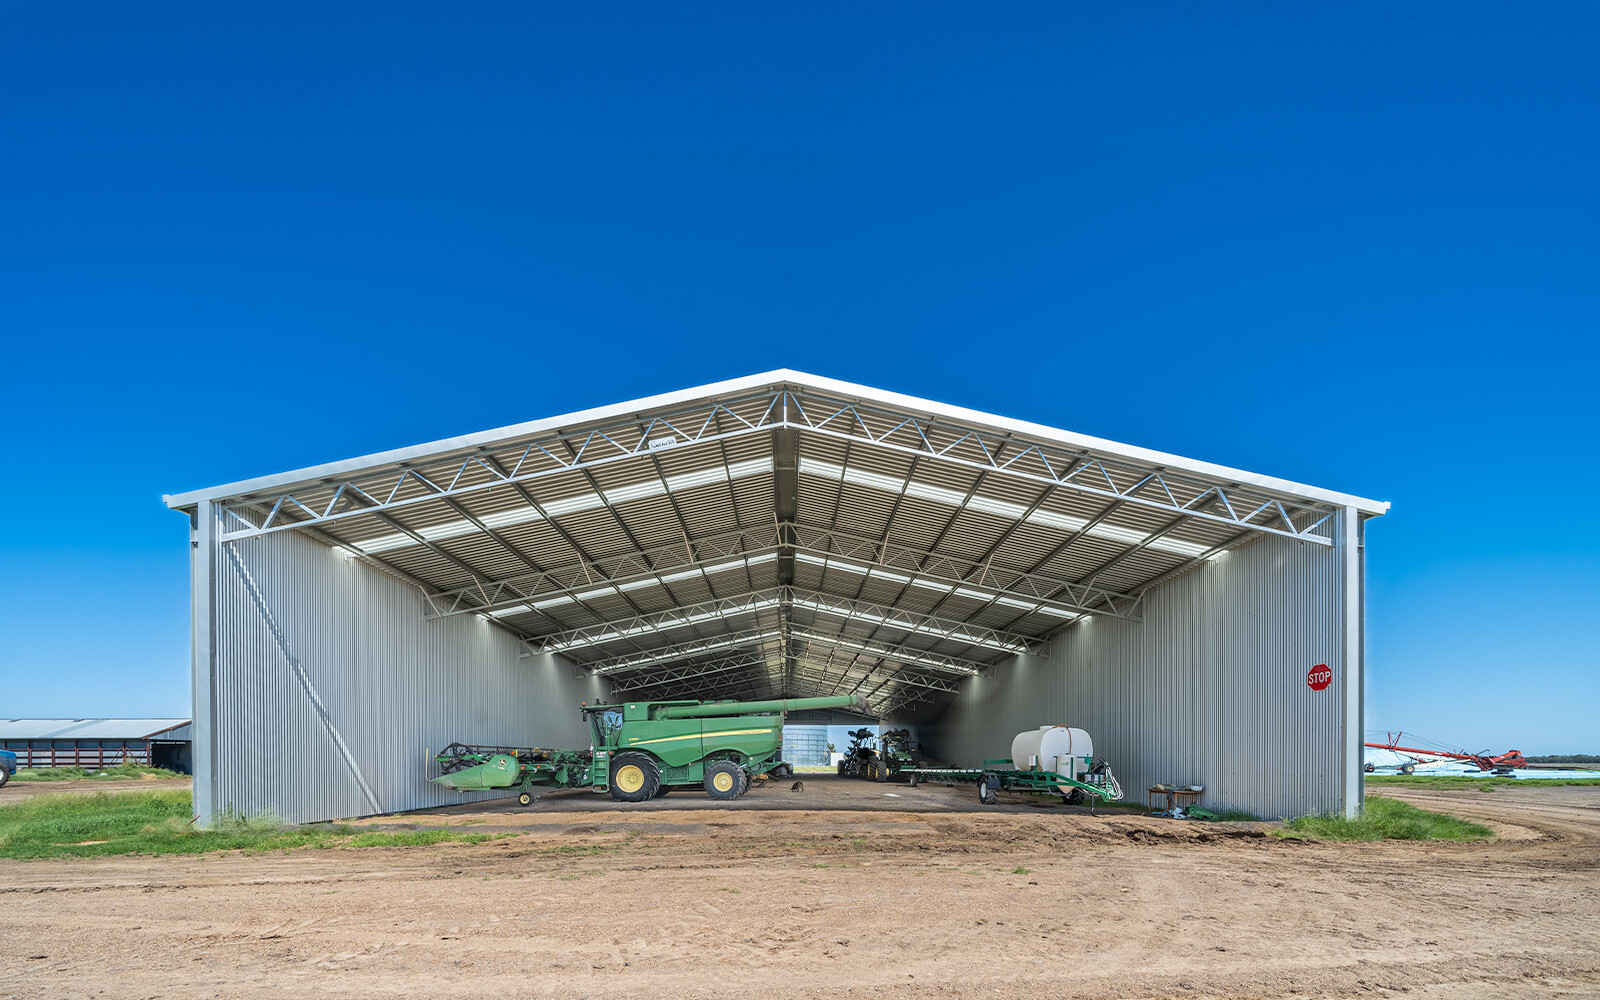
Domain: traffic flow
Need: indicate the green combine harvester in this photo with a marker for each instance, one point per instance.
(643, 749)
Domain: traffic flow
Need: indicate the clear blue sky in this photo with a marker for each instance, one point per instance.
(1354, 247)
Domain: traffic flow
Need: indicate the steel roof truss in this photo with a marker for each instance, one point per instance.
(631, 567)
(538, 460)
(746, 638)
(897, 653)
(1045, 593)
(785, 598)
(683, 672)
(1081, 476)
(787, 408)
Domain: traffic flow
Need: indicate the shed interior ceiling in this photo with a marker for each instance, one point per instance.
(791, 537)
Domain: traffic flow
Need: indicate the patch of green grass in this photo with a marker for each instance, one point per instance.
(96, 824)
(1237, 816)
(1127, 807)
(579, 848)
(413, 838)
(122, 771)
(1467, 781)
(1384, 819)
(1019, 870)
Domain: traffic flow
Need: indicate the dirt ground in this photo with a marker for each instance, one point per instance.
(13, 790)
(835, 891)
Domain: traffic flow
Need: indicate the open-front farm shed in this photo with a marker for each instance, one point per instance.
(777, 535)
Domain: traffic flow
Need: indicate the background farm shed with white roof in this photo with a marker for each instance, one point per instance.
(776, 535)
(97, 743)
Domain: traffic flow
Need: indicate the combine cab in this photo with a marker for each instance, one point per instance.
(644, 749)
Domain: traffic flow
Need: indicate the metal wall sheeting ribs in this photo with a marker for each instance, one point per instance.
(1209, 689)
(329, 685)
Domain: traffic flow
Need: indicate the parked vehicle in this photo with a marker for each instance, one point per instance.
(882, 757)
(861, 759)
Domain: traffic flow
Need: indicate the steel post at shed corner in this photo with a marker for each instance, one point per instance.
(1352, 528)
(202, 568)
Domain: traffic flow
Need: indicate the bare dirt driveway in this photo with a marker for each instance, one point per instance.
(913, 898)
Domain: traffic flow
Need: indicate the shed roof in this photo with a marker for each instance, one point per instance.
(86, 729)
(780, 534)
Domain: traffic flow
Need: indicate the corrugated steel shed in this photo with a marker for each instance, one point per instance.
(781, 534)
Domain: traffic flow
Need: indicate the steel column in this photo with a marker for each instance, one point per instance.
(1352, 566)
(203, 647)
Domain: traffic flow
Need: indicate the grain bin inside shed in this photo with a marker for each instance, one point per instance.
(774, 536)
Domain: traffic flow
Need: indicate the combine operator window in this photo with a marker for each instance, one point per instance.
(606, 725)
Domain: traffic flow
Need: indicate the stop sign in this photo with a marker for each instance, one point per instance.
(1319, 677)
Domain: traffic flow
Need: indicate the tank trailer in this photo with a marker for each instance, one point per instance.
(643, 749)
(1048, 761)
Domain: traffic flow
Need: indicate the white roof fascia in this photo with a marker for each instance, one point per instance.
(86, 729)
(773, 379)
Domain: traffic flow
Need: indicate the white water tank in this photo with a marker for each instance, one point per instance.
(1061, 749)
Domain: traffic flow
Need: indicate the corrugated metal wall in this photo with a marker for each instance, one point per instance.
(329, 687)
(1209, 689)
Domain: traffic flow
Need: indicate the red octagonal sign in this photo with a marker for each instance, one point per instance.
(1319, 677)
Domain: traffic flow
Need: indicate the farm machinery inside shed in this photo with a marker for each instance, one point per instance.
(774, 537)
(642, 750)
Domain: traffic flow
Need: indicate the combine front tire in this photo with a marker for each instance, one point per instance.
(724, 780)
(634, 778)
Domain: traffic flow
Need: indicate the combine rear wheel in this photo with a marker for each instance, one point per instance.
(724, 780)
(525, 799)
(634, 777)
